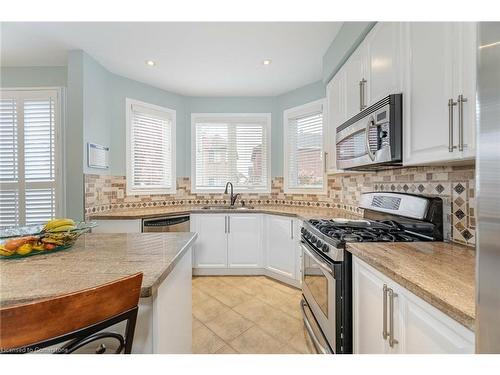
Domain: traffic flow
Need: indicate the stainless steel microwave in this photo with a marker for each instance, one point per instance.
(372, 139)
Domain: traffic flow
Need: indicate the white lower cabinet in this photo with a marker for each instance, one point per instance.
(211, 244)
(244, 241)
(280, 245)
(118, 226)
(247, 244)
(417, 327)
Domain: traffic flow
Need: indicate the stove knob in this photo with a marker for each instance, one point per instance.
(313, 239)
(307, 235)
(325, 248)
(302, 230)
(319, 244)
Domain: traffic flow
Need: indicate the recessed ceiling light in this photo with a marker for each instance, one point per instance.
(150, 63)
(267, 62)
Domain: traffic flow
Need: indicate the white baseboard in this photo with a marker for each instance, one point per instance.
(247, 272)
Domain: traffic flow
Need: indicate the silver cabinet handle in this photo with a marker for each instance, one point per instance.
(291, 229)
(384, 315)
(229, 224)
(451, 104)
(325, 158)
(461, 100)
(225, 224)
(362, 94)
(392, 340)
(321, 349)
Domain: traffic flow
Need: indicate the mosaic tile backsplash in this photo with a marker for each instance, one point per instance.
(454, 184)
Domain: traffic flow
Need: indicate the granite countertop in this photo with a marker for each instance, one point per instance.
(291, 211)
(95, 259)
(441, 273)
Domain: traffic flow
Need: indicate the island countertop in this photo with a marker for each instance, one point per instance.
(440, 273)
(95, 259)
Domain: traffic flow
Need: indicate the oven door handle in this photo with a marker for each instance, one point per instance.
(320, 348)
(371, 122)
(323, 265)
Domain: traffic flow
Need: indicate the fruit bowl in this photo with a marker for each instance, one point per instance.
(56, 235)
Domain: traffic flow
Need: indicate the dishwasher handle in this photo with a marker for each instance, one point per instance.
(165, 221)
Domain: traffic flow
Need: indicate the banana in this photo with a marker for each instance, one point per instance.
(55, 223)
(62, 228)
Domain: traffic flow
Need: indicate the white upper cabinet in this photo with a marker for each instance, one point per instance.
(336, 116)
(355, 73)
(439, 71)
(244, 242)
(384, 64)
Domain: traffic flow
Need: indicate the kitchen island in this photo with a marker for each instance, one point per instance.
(165, 259)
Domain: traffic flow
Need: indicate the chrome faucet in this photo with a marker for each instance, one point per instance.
(233, 196)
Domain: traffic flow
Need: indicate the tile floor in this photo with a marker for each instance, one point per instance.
(247, 315)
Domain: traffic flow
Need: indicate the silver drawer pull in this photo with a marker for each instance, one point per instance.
(451, 104)
(384, 315)
(392, 340)
(461, 100)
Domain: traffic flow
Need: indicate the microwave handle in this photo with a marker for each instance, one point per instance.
(369, 124)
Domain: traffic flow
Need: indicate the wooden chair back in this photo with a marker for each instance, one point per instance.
(78, 317)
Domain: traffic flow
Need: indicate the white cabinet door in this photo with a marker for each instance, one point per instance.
(335, 94)
(429, 331)
(280, 246)
(418, 326)
(439, 66)
(244, 241)
(355, 71)
(466, 84)
(367, 310)
(384, 76)
(210, 249)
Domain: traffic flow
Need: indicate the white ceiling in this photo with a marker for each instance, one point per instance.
(195, 59)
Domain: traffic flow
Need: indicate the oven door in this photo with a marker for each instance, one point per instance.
(319, 290)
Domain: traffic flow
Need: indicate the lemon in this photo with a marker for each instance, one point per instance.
(24, 249)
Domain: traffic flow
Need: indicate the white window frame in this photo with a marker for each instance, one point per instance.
(222, 116)
(304, 109)
(172, 113)
(59, 144)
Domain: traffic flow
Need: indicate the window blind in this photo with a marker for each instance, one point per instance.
(234, 149)
(304, 149)
(28, 157)
(151, 151)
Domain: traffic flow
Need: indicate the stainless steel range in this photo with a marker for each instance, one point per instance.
(326, 277)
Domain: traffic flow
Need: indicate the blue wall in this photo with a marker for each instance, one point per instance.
(95, 112)
(33, 76)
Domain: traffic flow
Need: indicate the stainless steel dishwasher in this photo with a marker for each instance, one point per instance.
(166, 224)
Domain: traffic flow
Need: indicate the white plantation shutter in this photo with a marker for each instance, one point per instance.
(29, 167)
(231, 148)
(151, 149)
(304, 162)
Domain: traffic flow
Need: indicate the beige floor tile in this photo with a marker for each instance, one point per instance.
(256, 341)
(205, 341)
(253, 286)
(281, 326)
(196, 323)
(302, 343)
(229, 295)
(229, 325)
(282, 287)
(291, 306)
(254, 309)
(272, 296)
(287, 349)
(208, 309)
(226, 349)
(198, 295)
